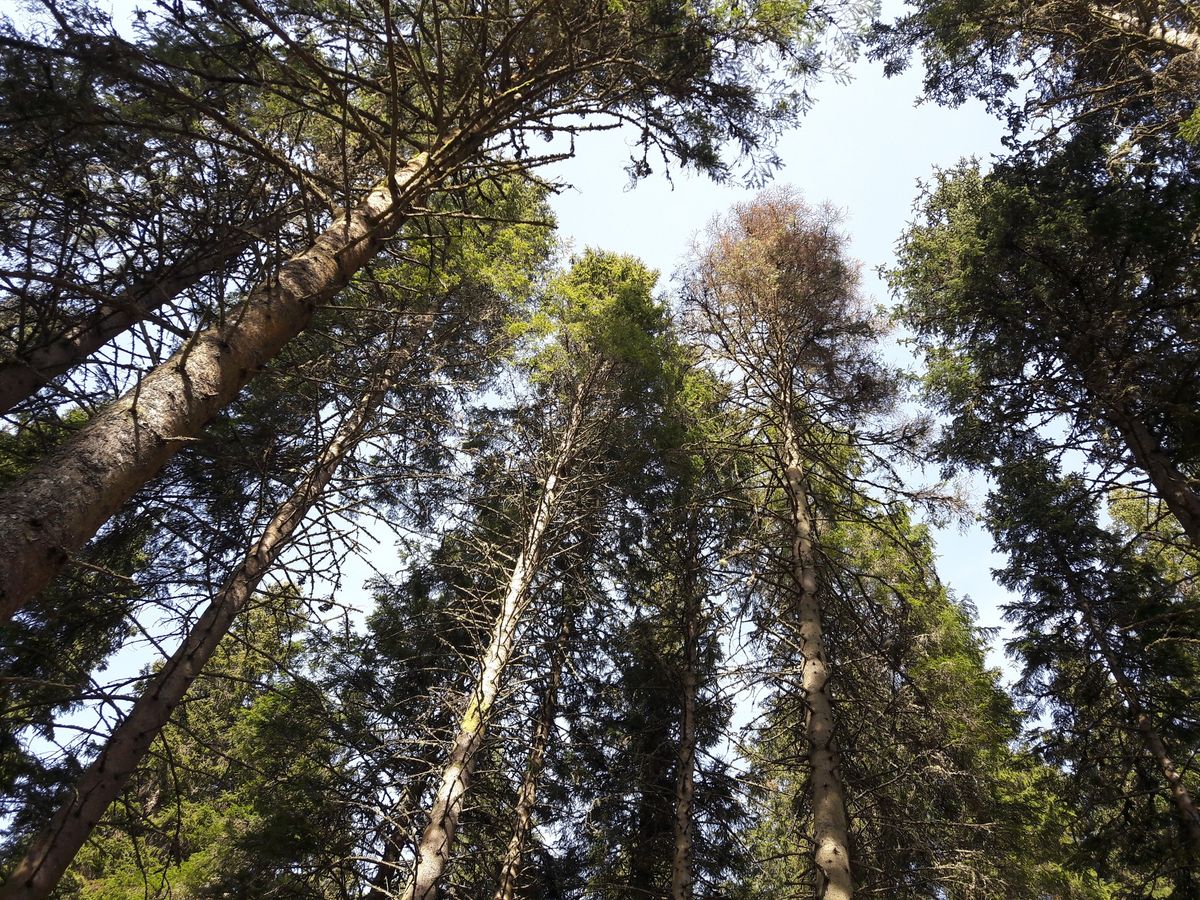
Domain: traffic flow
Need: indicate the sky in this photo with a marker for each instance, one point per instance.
(863, 147)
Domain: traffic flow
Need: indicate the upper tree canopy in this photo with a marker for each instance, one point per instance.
(1133, 66)
(1057, 291)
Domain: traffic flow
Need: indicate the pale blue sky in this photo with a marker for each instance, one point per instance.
(863, 147)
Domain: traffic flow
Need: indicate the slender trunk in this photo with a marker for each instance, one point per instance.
(831, 832)
(682, 878)
(510, 867)
(23, 374)
(52, 851)
(1180, 796)
(56, 508)
(1113, 405)
(433, 851)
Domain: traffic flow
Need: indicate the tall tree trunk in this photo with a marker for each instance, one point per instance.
(437, 839)
(1175, 489)
(514, 855)
(56, 508)
(682, 876)
(23, 374)
(831, 832)
(52, 851)
(1182, 799)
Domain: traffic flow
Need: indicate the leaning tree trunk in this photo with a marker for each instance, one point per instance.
(1175, 489)
(831, 832)
(56, 508)
(24, 373)
(52, 851)
(682, 876)
(437, 839)
(514, 854)
(1131, 25)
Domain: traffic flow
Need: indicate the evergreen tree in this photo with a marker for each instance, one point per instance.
(1056, 291)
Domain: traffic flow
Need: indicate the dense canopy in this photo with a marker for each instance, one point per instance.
(361, 538)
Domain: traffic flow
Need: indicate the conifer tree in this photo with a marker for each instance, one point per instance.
(687, 74)
(594, 354)
(1057, 289)
(774, 300)
(446, 341)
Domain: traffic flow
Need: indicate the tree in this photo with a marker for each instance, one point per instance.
(449, 321)
(235, 796)
(774, 300)
(944, 798)
(1130, 66)
(1056, 292)
(1055, 321)
(1100, 639)
(594, 359)
(686, 74)
(122, 205)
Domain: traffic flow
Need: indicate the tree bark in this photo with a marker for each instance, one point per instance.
(1175, 38)
(1175, 488)
(437, 839)
(831, 832)
(682, 876)
(52, 851)
(514, 855)
(55, 509)
(23, 374)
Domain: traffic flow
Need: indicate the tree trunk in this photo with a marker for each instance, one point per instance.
(831, 833)
(23, 374)
(514, 855)
(437, 839)
(682, 877)
(1174, 488)
(1126, 23)
(52, 851)
(55, 509)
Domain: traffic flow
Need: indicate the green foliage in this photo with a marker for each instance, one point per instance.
(1103, 621)
(1037, 62)
(602, 312)
(238, 795)
(943, 799)
(1055, 292)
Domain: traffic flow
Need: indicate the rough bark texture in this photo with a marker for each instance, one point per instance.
(682, 877)
(831, 833)
(1175, 38)
(52, 851)
(514, 855)
(22, 375)
(437, 839)
(59, 506)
